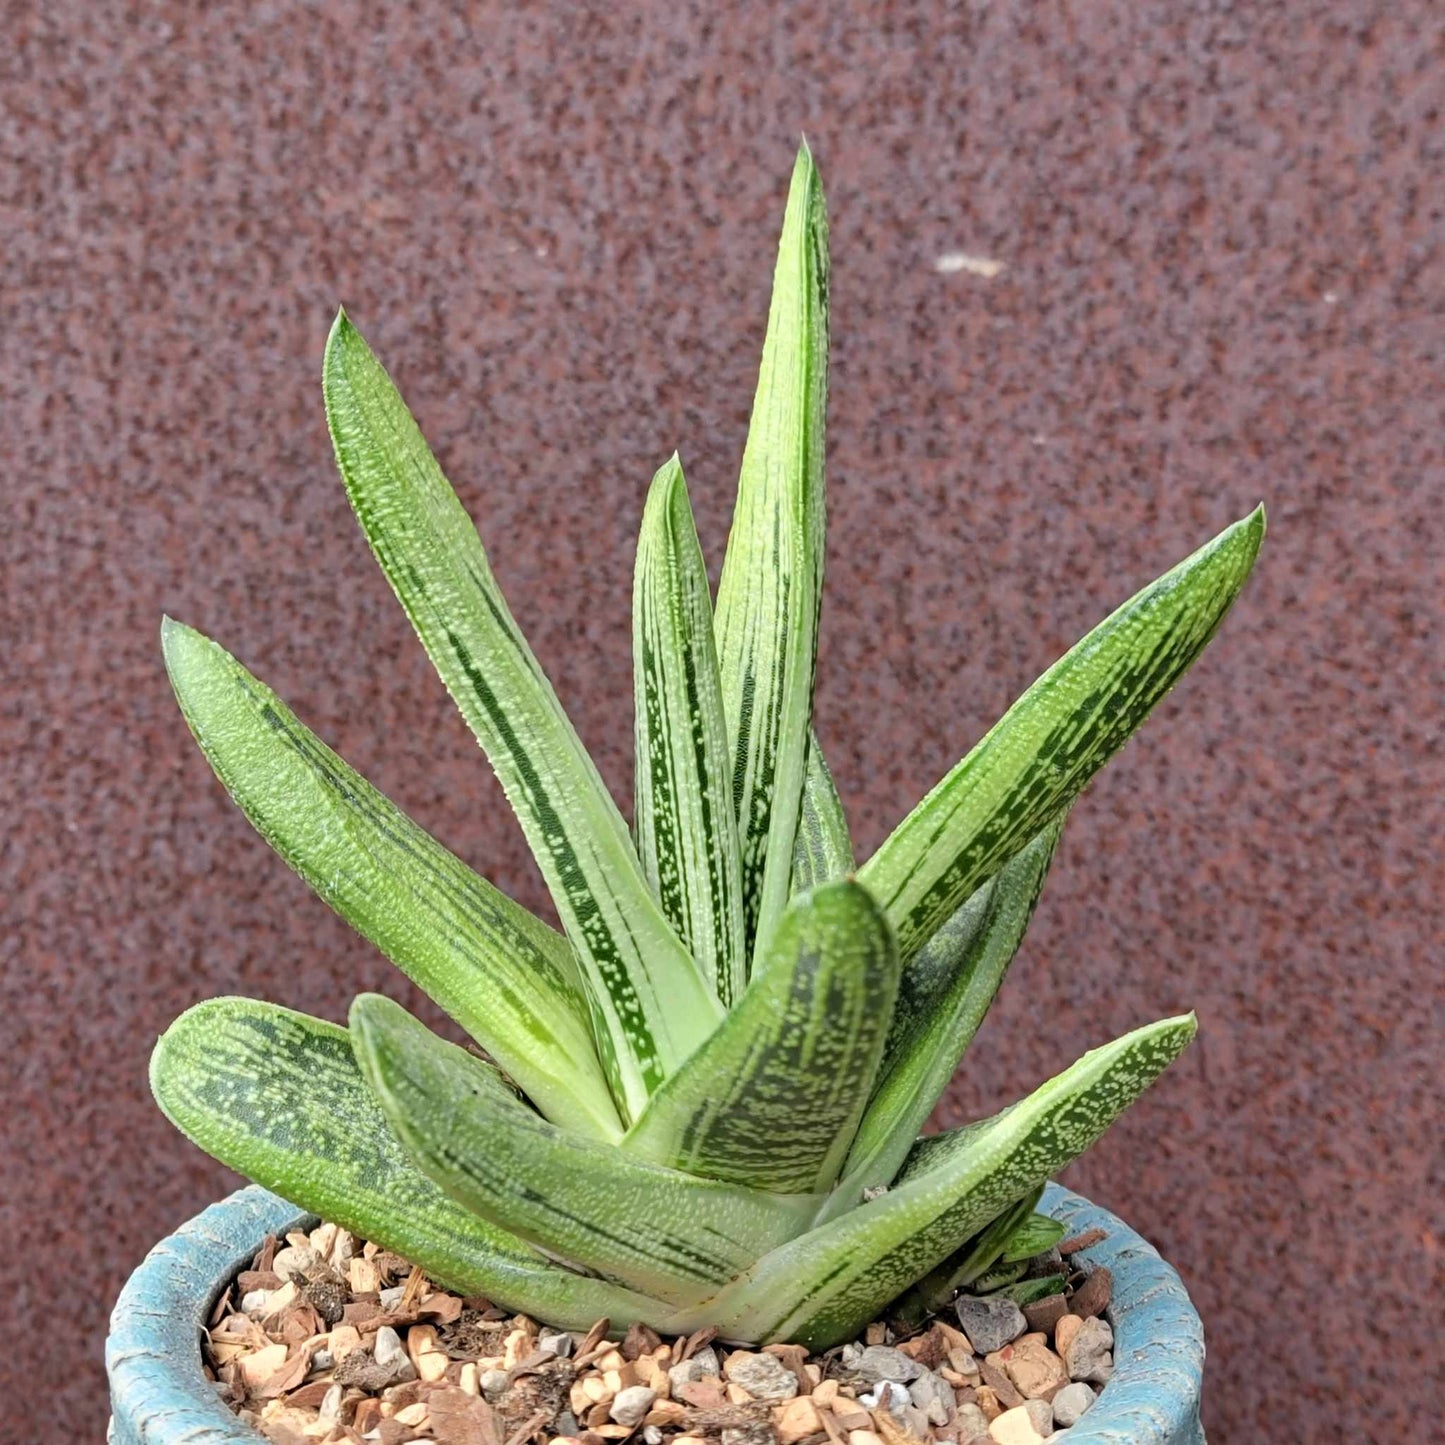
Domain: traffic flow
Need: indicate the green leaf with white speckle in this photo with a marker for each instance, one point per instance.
(687, 833)
(507, 978)
(1040, 754)
(671, 1235)
(277, 1096)
(773, 1098)
(772, 577)
(822, 850)
(826, 1285)
(943, 996)
(651, 1005)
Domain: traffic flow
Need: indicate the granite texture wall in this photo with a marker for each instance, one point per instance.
(1219, 237)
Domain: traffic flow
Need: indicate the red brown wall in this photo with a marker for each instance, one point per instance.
(1221, 233)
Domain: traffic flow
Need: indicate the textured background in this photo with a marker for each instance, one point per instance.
(1221, 231)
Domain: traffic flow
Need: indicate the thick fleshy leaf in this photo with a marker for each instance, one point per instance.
(1034, 1236)
(687, 834)
(826, 1285)
(773, 1098)
(277, 1096)
(651, 1005)
(669, 1234)
(822, 850)
(509, 980)
(772, 577)
(943, 995)
(1042, 752)
(969, 1263)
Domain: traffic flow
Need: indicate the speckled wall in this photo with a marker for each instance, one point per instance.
(1219, 232)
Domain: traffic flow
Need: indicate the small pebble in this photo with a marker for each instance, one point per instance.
(887, 1395)
(632, 1404)
(652, 1435)
(330, 1409)
(294, 1261)
(559, 1342)
(1089, 1355)
(389, 1347)
(390, 1298)
(493, 1384)
(764, 1377)
(972, 1424)
(1092, 1297)
(758, 1434)
(933, 1396)
(1064, 1332)
(703, 1365)
(1026, 1424)
(1036, 1371)
(882, 1362)
(796, 1420)
(990, 1323)
(1070, 1403)
(253, 1302)
(1044, 1314)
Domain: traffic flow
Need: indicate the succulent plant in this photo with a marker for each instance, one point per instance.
(700, 1101)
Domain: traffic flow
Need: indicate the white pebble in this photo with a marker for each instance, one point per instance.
(389, 1346)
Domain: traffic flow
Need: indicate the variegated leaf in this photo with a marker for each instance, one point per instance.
(651, 1005)
(1042, 752)
(826, 1285)
(822, 850)
(278, 1096)
(668, 1234)
(772, 577)
(506, 978)
(687, 835)
(970, 1261)
(943, 995)
(773, 1098)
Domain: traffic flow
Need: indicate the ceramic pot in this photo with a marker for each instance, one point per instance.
(160, 1397)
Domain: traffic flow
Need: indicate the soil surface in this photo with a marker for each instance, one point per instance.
(329, 1339)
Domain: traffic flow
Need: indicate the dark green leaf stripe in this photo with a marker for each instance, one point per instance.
(674, 1236)
(1042, 752)
(772, 578)
(943, 996)
(773, 1098)
(826, 1285)
(278, 1096)
(507, 978)
(822, 850)
(686, 828)
(651, 1005)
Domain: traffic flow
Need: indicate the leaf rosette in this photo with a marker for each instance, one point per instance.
(700, 1101)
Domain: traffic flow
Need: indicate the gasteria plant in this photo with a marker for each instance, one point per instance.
(701, 1100)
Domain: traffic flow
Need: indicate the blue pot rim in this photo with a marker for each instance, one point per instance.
(159, 1395)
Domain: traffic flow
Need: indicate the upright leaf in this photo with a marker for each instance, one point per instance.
(674, 1236)
(687, 835)
(773, 1098)
(826, 1285)
(822, 850)
(651, 1005)
(509, 980)
(772, 578)
(1042, 752)
(278, 1096)
(943, 996)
